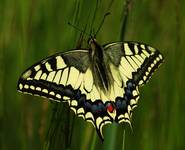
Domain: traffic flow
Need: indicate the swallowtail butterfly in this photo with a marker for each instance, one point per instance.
(100, 83)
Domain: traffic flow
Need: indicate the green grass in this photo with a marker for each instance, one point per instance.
(32, 30)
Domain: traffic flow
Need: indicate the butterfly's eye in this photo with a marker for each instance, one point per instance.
(91, 40)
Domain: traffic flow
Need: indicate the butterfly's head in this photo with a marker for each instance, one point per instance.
(95, 48)
(91, 40)
(92, 43)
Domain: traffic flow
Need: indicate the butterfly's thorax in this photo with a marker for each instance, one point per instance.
(99, 65)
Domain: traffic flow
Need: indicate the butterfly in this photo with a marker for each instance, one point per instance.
(99, 83)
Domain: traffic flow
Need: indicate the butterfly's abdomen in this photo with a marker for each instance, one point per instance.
(101, 77)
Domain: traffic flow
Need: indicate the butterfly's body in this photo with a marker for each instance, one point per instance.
(99, 83)
(99, 66)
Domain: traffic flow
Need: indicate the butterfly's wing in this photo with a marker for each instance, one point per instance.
(68, 77)
(134, 63)
(48, 77)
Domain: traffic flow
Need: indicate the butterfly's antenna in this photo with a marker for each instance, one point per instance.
(94, 16)
(110, 5)
(101, 24)
(126, 10)
(83, 31)
(80, 40)
(87, 22)
(106, 14)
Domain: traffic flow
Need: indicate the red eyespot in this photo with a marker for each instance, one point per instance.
(110, 108)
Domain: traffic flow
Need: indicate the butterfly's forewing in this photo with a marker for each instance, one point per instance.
(49, 77)
(136, 63)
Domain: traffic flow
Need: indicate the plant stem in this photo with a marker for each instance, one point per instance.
(123, 145)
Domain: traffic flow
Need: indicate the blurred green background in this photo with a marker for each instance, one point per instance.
(33, 29)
